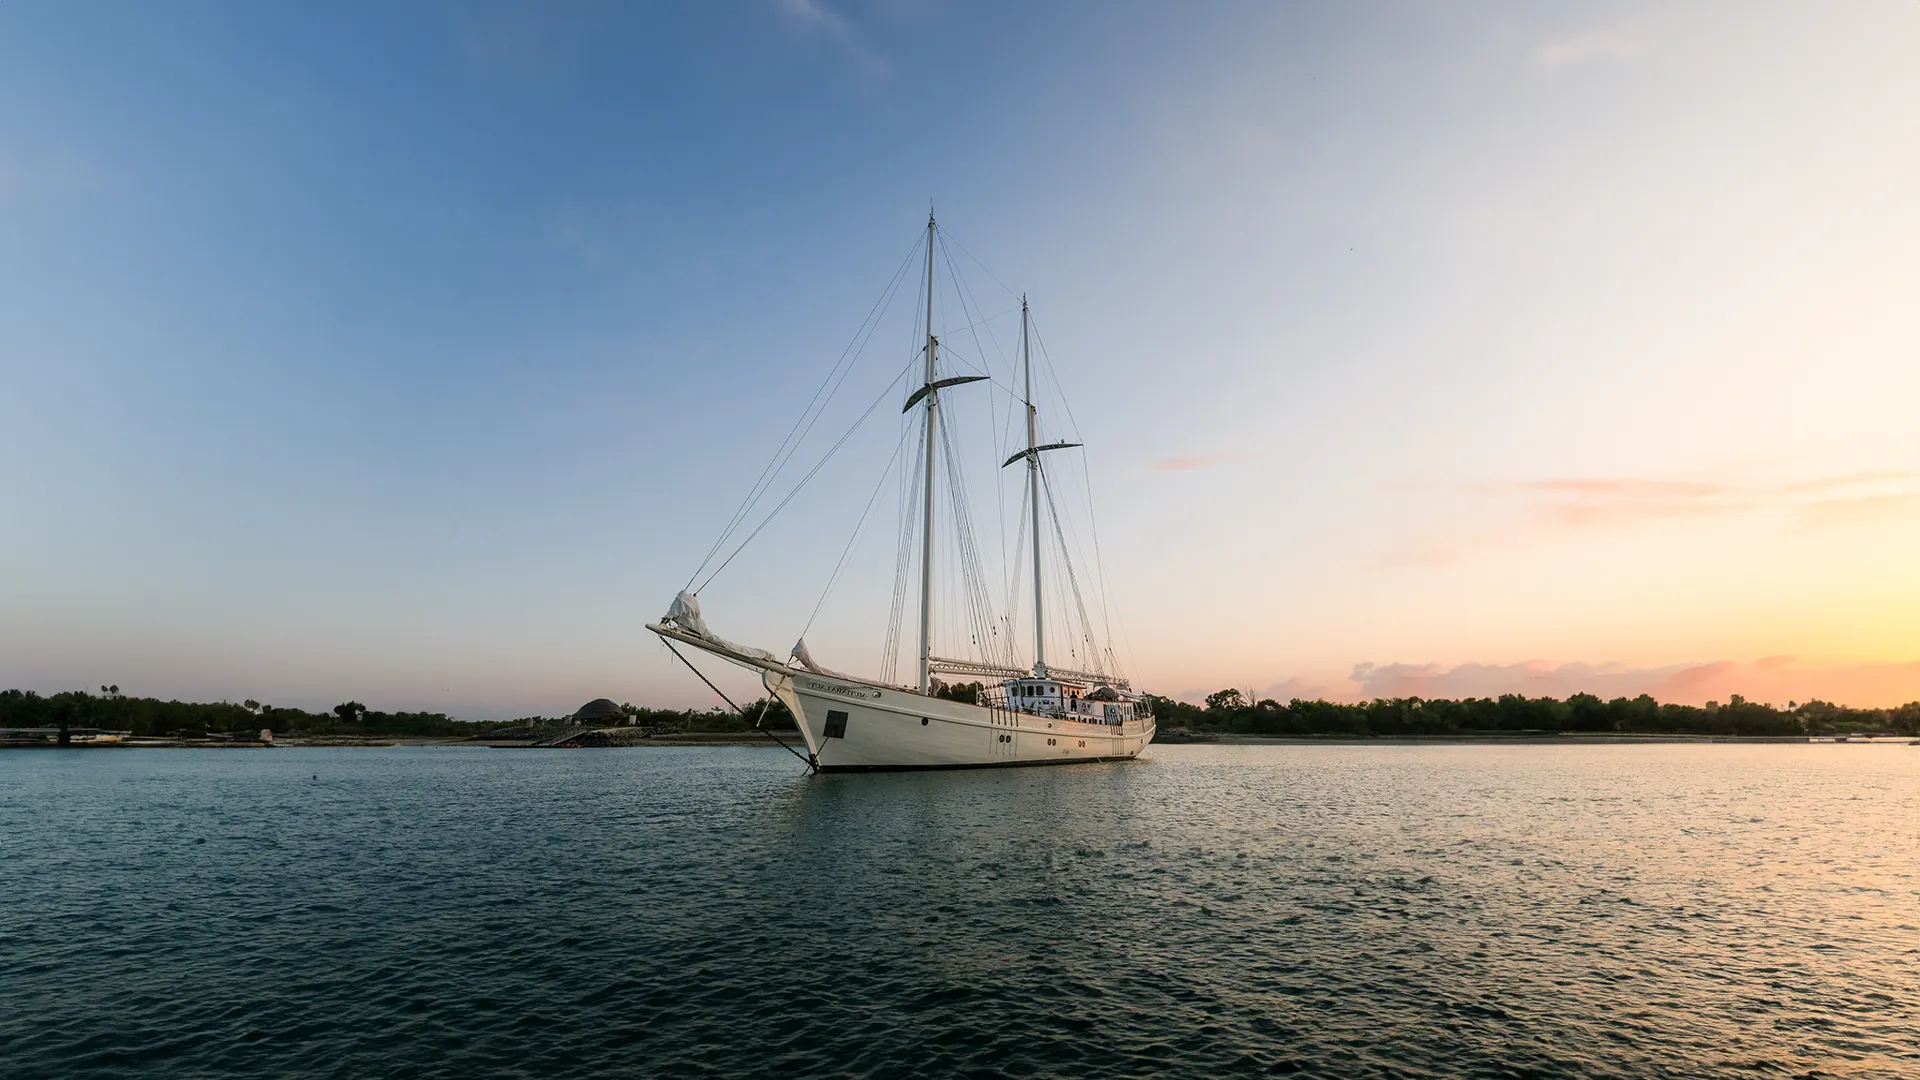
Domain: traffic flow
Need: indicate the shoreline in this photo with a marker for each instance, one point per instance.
(735, 739)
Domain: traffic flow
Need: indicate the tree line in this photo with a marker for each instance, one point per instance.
(112, 710)
(1225, 712)
(1233, 712)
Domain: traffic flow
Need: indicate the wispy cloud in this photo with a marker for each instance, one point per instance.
(1182, 464)
(814, 19)
(1614, 46)
(1627, 487)
(1848, 480)
(1189, 462)
(1583, 501)
(1536, 510)
(1776, 679)
(1827, 513)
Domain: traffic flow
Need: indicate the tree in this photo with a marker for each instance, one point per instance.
(1225, 700)
(251, 705)
(968, 692)
(349, 711)
(1589, 713)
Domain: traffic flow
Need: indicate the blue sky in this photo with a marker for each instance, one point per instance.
(417, 354)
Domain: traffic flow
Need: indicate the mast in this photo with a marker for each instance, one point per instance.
(926, 546)
(1033, 496)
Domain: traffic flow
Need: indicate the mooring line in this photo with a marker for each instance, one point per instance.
(811, 767)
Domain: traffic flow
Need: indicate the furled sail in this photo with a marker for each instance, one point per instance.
(685, 614)
(805, 659)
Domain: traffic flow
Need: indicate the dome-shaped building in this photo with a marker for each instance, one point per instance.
(600, 712)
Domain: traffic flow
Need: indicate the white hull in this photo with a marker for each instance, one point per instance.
(850, 725)
(897, 729)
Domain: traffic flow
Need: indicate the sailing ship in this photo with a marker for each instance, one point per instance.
(1040, 715)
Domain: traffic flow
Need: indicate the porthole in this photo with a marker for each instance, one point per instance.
(923, 721)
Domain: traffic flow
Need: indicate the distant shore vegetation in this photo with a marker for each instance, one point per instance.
(1227, 712)
(1235, 712)
(111, 710)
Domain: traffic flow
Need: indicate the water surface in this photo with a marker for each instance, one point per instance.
(1338, 911)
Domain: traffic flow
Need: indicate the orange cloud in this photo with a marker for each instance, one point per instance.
(1829, 483)
(1564, 504)
(1630, 487)
(1182, 464)
(1830, 512)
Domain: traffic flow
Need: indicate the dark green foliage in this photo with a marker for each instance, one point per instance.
(1226, 712)
(1229, 712)
(769, 713)
(968, 692)
(153, 717)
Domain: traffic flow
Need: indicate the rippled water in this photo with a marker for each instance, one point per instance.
(1335, 911)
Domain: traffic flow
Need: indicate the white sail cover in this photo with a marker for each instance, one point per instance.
(685, 614)
(805, 659)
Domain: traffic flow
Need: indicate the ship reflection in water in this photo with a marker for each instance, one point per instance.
(1675, 910)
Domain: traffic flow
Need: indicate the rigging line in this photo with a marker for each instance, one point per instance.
(972, 614)
(1014, 582)
(778, 462)
(910, 481)
(1105, 594)
(910, 484)
(962, 292)
(1086, 624)
(979, 596)
(987, 321)
(784, 452)
(811, 767)
(957, 603)
(795, 447)
(1100, 562)
(1100, 569)
(965, 291)
(992, 380)
(1055, 376)
(851, 540)
(978, 607)
(811, 473)
(955, 241)
(1069, 539)
(967, 287)
(1005, 435)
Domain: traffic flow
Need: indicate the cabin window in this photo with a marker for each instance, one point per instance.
(836, 724)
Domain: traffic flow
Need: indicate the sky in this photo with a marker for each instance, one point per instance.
(418, 354)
